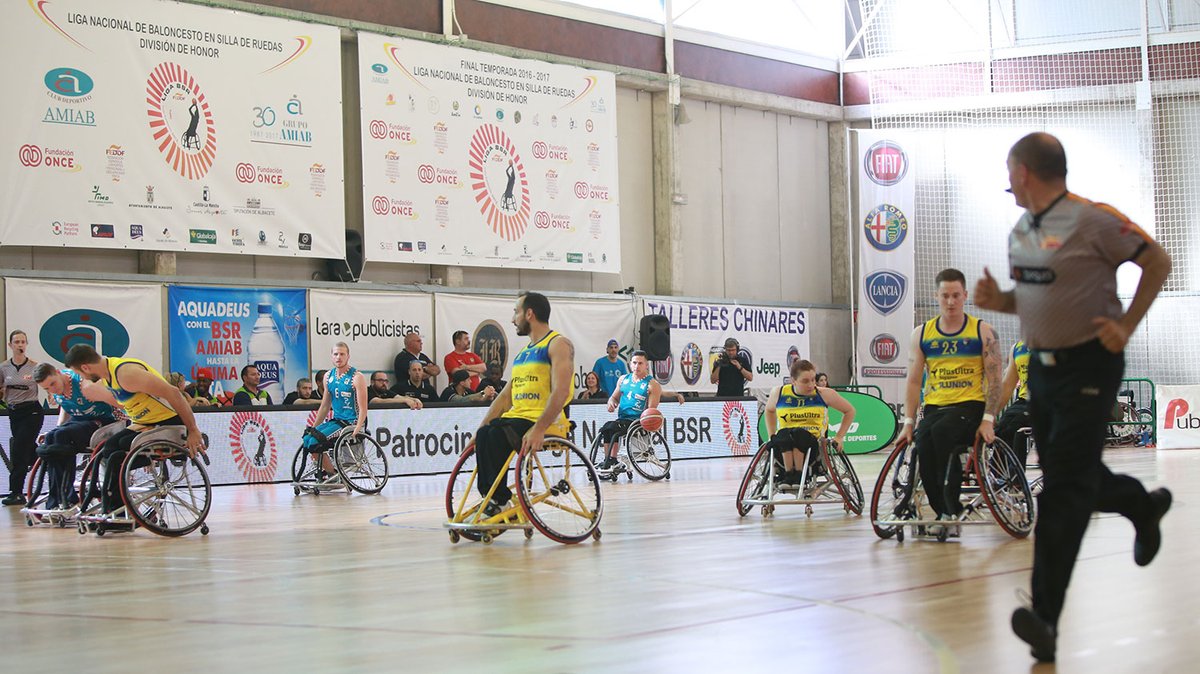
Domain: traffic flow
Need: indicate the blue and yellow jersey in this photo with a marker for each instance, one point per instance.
(141, 408)
(531, 385)
(796, 411)
(342, 394)
(77, 405)
(1020, 357)
(634, 394)
(954, 363)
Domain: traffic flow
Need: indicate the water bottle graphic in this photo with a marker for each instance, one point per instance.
(265, 351)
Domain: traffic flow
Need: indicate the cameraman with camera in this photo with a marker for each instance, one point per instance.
(731, 371)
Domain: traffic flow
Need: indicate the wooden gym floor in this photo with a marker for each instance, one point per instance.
(678, 583)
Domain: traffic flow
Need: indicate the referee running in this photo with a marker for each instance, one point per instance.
(1063, 254)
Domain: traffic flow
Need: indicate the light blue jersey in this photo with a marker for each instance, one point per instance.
(635, 393)
(342, 393)
(79, 407)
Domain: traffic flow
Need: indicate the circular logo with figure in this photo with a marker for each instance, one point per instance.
(736, 424)
(181, 120)
(885, 227)
(500, 183)
(491, 344)
(663, 369)
(691, 363)
(83, 326)
(252, 445)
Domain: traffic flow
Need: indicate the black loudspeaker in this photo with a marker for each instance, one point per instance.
(656, 336)
(350, 269)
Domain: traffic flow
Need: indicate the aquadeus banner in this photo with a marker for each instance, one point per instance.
(116, 319)
(372, 324)
(478, 159)
(770, 337)
(884, 229)
(154, 125)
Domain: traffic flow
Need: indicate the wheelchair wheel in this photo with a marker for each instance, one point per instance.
(462, 501)
(894, 490)
(841, 471)
(87, 478)
(36, 491)
(755, 483)
(164, 490)
(361, 463)
(1005, 489)
(559, 491)
(594, 450)
(648, 452)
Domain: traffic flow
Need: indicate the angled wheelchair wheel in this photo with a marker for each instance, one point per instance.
(361, 463)
(894, 490)
(648, 452)
(1005, 489)
(756, 482)
(89, 481)
(841, 471)
(559, 492)
(165, 490)
(462, 500)
(36, 491)
(594, 450)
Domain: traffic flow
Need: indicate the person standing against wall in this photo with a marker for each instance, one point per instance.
(25, 414)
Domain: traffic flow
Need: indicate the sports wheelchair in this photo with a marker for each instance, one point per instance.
(994, 490)
(37, 510)
(839, 483)
(360, 463)
(162, 488)
(646, 453)
(557, 493)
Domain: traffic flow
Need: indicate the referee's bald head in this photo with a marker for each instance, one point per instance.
(1042, 155)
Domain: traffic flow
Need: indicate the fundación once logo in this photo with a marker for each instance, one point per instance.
(83, 326)
(885, 290)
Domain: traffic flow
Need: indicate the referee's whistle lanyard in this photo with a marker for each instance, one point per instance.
(1037, 217)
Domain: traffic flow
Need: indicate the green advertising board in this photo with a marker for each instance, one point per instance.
(873, 429)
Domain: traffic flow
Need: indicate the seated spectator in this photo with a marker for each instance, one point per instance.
(411, 352)
(249, 393)
(303, 395)
(459, 391)
(200, 393)
(415, 385)
(379, 387)
(591, 388)
(462, 359)
(493, 379)
(319, 384)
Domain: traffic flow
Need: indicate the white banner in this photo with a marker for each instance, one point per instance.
(886, 205)
(770, 337)
(372, 323)
(478, 159)
(257, 445)
(1178, 416)
(117, 319)
(488, 318)
(167, 126)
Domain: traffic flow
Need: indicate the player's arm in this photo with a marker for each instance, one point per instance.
(993, 360)
(1009, 384)
(615, 398)
(912, 391)
(97, 392)
(654, 395)
(500, 404)
(360, 394)
(772, 403)
(837, 402)
(562, 370)
(133, 377)
(326, 404)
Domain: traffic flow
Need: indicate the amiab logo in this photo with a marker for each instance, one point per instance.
(885, 163)
(501, 184)
(83, 326)
(736, 426)
(1178, 417)
(885, 227)
(252, 444)
(69, 85)
(181, 120)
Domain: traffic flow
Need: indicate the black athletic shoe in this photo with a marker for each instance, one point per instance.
(1039, 634)
(13, 499)
(1149, 537)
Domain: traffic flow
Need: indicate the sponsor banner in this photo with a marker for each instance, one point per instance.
(221, 330)
(168, 126)
(1178, 416)
(884, 227)
(488, 318)
(251, 445)
(479, 159)
(372, 324)
(116, 319)
(770, 338)
(874, 423)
